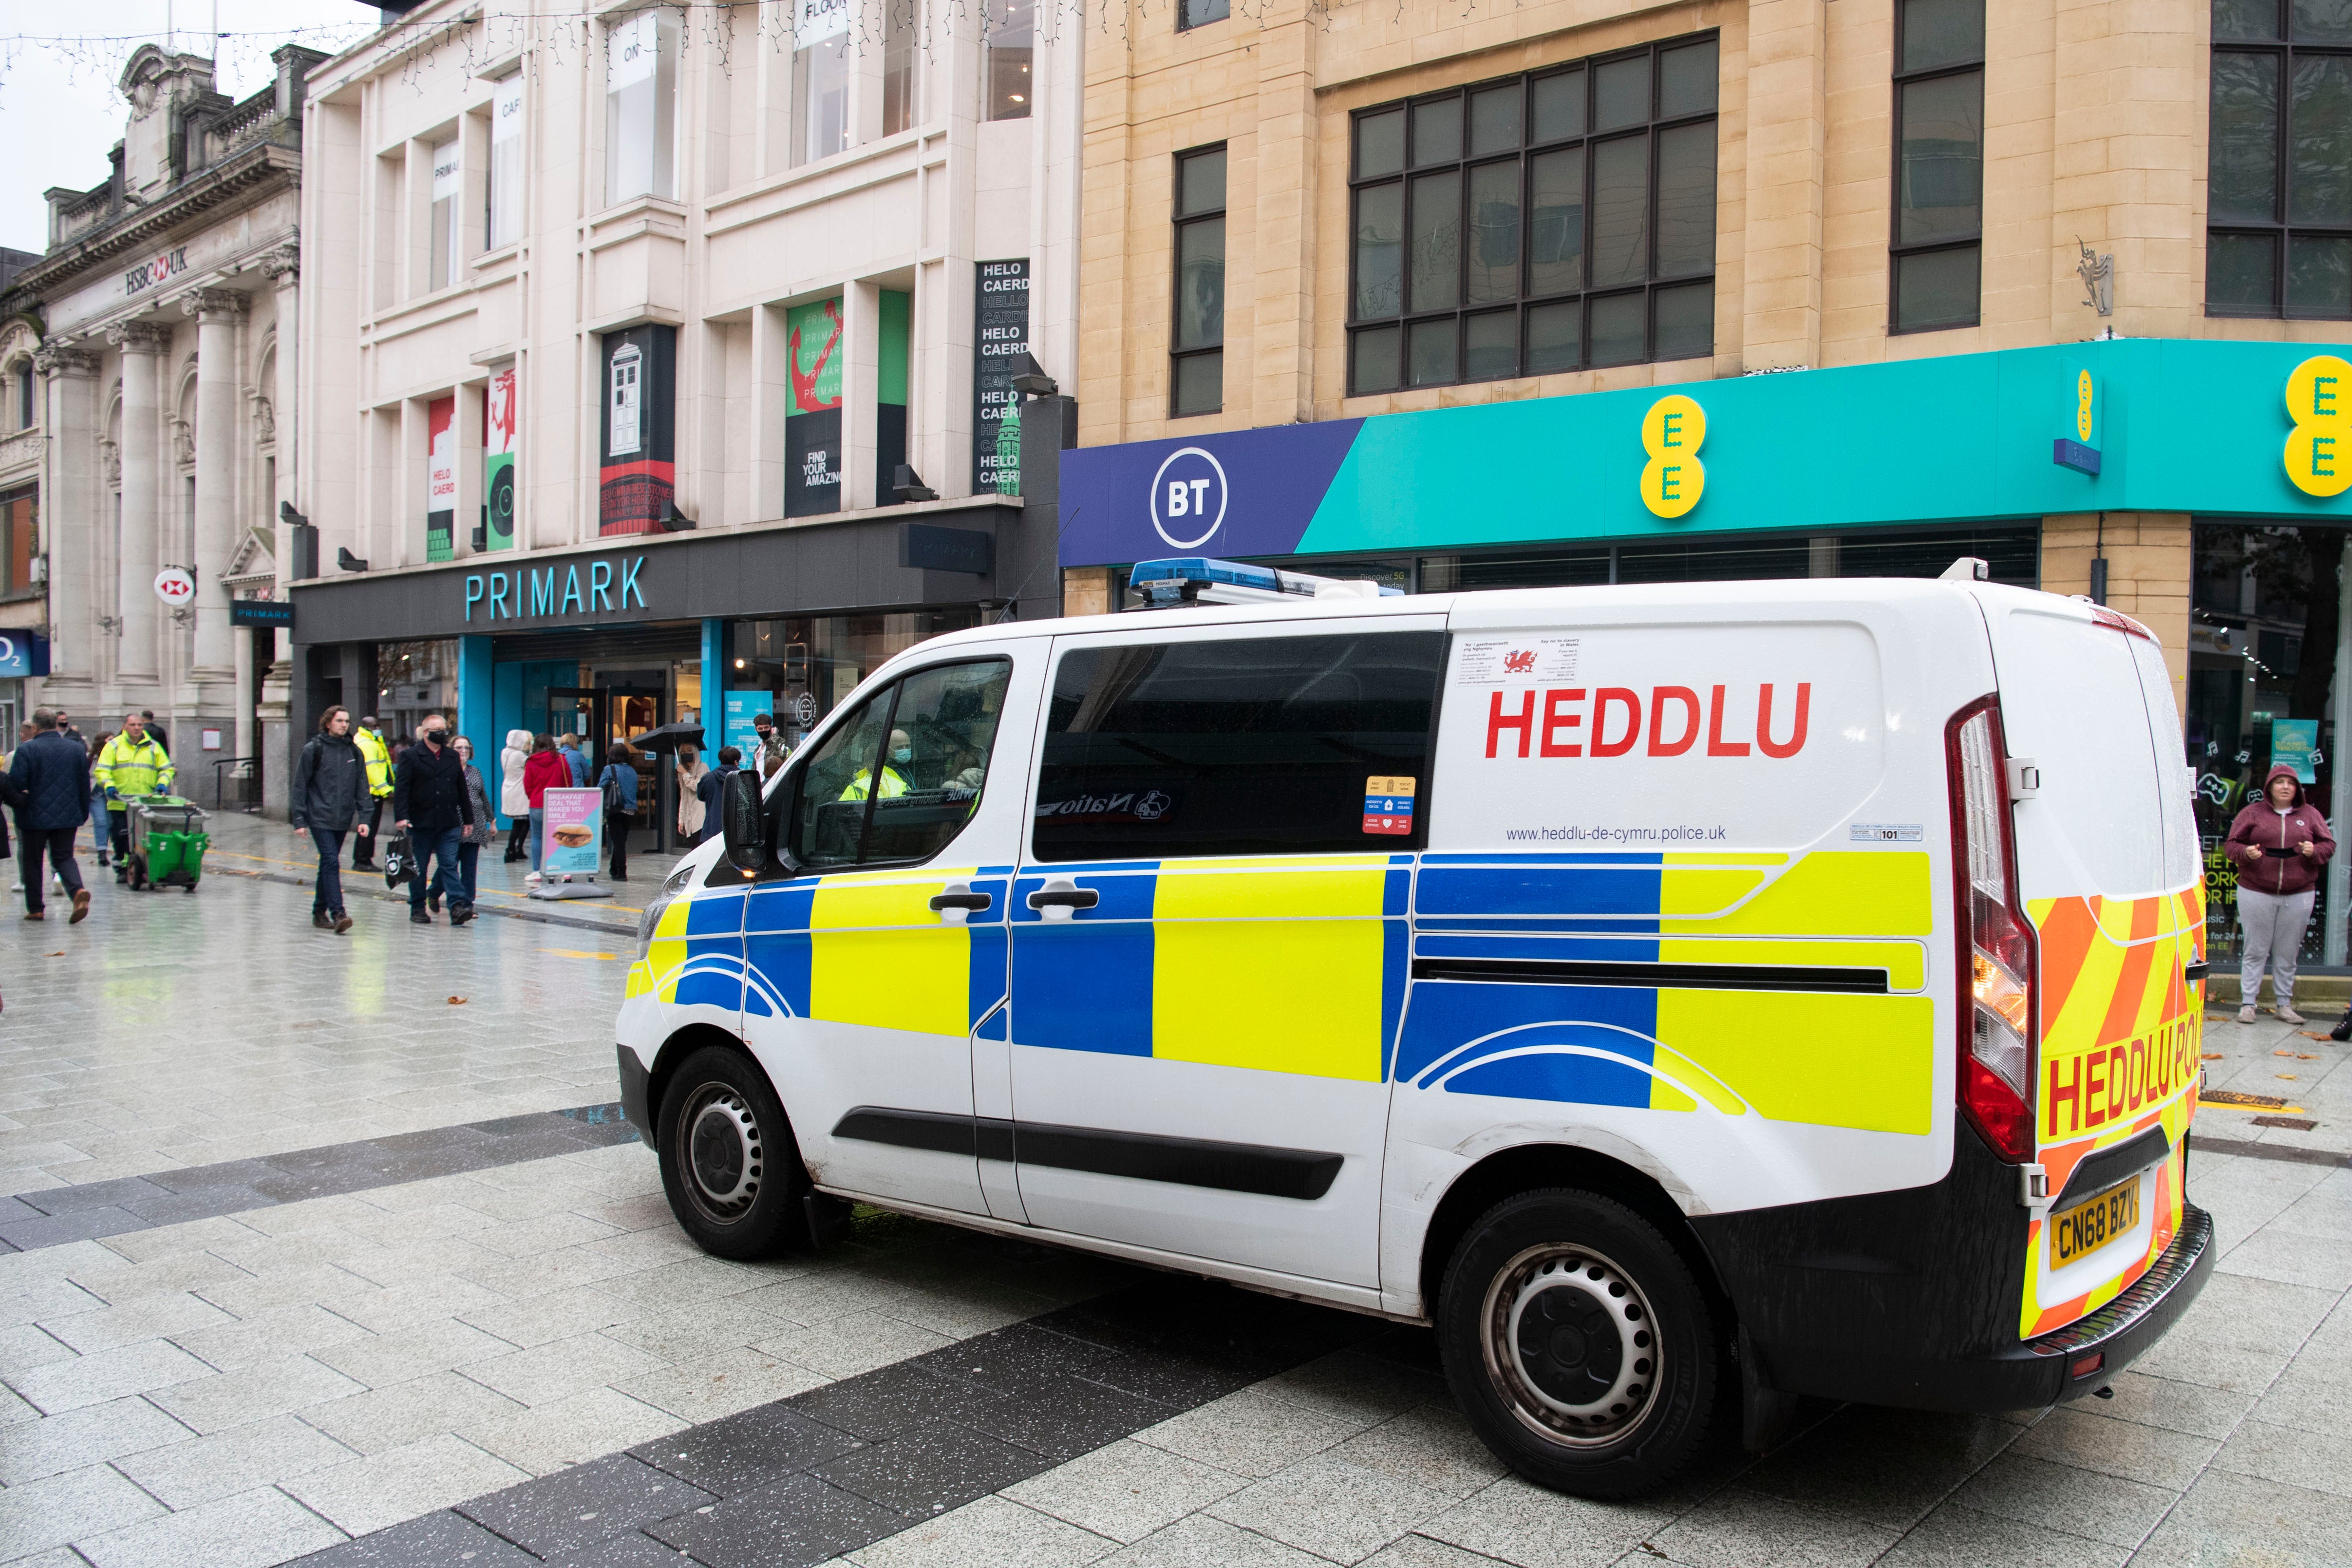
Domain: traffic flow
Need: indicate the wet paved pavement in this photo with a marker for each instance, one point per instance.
(470, 1361)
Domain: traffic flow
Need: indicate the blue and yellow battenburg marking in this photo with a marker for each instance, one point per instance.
(1832, 1059)
(696, 957)
(867, 947)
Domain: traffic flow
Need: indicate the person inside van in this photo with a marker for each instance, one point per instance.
(2279, 842)
(894, 771)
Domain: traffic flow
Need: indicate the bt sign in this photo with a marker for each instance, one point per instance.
(1187, 498)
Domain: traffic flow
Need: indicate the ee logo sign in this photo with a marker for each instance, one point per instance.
(1188, 498)
(1673, 478)
(2319, 451)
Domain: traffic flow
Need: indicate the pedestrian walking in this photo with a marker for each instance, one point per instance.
(330, 798)
(133, 763)
(52, 771)
(67, 727)
(24, 731)
(619, 783)
(767, 748)
(2279, 842)
(512, 800)
(713, 787)
(483, 829)
(378, 756)
(544, 771)
(690, 768)
(576, 759)
(430, 801)
(162, 736)
(101, 819)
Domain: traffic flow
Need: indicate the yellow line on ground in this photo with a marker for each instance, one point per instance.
(575, 953)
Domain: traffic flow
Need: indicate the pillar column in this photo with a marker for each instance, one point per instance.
(69, 523)
(143, 345)
(218, 312)
(241, 645)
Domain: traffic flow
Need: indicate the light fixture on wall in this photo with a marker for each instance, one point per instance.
(908, 485)
(347, 561)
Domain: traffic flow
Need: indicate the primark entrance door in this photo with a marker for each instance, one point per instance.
(608, 687)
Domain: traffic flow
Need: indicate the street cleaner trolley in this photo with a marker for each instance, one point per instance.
(167, 841)
(1685, 998)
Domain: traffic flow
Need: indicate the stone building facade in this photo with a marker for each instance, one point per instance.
(167, 358)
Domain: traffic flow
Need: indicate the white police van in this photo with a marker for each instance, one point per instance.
(1685, 997)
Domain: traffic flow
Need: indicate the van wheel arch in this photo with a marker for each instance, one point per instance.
(684, 1043)
(1529, 1166)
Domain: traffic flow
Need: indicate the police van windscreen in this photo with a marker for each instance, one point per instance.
(1239, 746)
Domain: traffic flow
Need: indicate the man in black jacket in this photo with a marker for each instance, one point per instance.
(330, 791)
(430, 798)
(53, 772)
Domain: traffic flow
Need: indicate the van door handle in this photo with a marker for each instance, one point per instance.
(959, 901)
(2193, 972)
(1060, 899)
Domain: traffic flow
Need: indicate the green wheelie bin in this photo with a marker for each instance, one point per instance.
(167, 842)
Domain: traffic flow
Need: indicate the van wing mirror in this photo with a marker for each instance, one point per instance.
(743, 821)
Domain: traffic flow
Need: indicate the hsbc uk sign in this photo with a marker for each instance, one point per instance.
(161, 270)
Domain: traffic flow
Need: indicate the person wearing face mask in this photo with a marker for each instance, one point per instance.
(767, 750)
(482, 830)
(431, 800)
(895, 762)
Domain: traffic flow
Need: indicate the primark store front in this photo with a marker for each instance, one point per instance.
(2200, 487)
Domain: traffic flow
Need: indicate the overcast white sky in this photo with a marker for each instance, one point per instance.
(59, 59)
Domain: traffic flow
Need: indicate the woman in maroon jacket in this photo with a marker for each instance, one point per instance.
(2279, 843)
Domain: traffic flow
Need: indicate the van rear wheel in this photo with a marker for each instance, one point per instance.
(1578, 1343)
(729, 1165)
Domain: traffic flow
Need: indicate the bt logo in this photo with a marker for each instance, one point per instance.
(1188, 498)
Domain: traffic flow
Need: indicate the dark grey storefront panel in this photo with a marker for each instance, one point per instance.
(821, 569)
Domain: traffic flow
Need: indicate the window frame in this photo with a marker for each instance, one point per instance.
(1586, 294)
(1897, 252)
(1184, 20)
(782, 792)
(2281, 230)
(1179, 221)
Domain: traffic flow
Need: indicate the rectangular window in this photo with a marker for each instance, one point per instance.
(898, 779)
(820, 79)
(1192, 13)
(898, 29)
(2279, 191)
(448, 178)
(17, 514)
(1475, 253)
(1197, 367)
(641, 107)
(503, 218)
(1937, 246)
(1008, 44)
(1247, 746)
(27, 395)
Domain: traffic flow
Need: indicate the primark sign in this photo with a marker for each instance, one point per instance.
(565, 590)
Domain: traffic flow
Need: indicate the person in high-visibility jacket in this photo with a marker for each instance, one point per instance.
(379, 782)
(894, 783)
(130, 763)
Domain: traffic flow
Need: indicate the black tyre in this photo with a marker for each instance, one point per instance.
(729, 1162)
(1578, 1344)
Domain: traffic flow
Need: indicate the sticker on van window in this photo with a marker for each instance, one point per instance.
(1885, 833)
(1490, 661)
(1388, 803)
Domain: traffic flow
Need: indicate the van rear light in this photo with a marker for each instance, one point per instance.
(1996, 949)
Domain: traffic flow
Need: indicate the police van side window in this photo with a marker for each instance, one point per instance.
(1260, 746)
(900, 778)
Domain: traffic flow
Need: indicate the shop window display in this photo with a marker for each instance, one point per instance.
(2262, 662)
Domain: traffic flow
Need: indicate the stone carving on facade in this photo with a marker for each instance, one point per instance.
(139, 337)
(110, 461)
(265, 421)
(184, 442)
(61, 359)
(213, 301)
(282, 265)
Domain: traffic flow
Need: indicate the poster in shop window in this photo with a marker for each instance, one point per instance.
(637, 483)
(573, 821)
(499, 421)
(812, 418)
(1001, 338)
(440, 479)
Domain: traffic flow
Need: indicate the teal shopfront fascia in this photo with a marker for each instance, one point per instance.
(2206, 486)
(614, 639)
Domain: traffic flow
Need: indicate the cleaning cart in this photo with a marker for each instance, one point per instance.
(167, 842)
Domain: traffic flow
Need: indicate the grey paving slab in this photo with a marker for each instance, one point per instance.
(930, 1467)
(384, 1489)
(74, 1506)
(562, 1514)
(795, 1521)
(438, 1539)
(742, 1453)
(1529, 1527)
(1200, 1540)
(30, 1450)
(183, 1474)
(1957, 1537)
(987, 1534)
(248, 1529)
(2231, 1518)
(1125, 1491)
(1324, 1505)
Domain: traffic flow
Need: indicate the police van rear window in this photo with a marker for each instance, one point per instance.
(1243, 746)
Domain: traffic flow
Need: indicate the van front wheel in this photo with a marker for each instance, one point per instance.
(728, 1163)
(1578, 1343)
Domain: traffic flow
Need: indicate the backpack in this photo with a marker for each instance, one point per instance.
(613, 801)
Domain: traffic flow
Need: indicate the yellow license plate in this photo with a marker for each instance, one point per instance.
(2082, 1229)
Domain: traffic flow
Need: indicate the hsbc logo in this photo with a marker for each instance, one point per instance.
(1188, 498)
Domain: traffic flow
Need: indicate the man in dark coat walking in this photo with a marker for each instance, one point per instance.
(331, 791)
(53, 772)
(430, 798)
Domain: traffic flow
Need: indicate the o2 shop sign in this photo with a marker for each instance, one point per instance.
(1189, 495)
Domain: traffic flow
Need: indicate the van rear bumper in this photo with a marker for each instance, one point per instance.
(2066, 1364)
